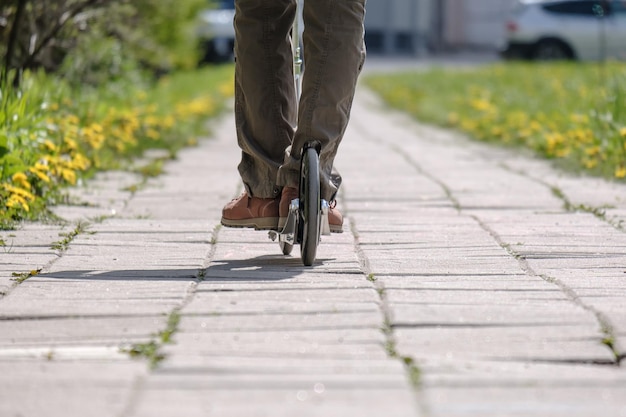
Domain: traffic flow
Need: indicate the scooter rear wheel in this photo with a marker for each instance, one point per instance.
(309, 223)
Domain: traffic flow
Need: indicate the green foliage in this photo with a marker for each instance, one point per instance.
(103, 39)
(54, 133)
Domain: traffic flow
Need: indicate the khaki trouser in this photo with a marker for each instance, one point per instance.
(265, 98)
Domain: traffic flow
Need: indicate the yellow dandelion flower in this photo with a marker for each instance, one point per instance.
(593, 151)
(168, 121)
(579, 118)
(153, 134)
(622, 132)
(150, 121)
(16, 201)
(590, 163)
(40, 174)
(41, 166)
(535, 126)
(96, 127)
(49, 146)
(21, 179)
(18, 191)
(70, 143)
(72, 119)
(68, 175)
(481, 105)
(497, 131)
(80, 162)
(620, 172)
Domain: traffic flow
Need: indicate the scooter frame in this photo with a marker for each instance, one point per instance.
(307, 220)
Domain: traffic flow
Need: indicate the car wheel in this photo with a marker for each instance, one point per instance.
(552, 50)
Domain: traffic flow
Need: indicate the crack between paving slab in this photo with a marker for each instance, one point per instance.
(412, 371)
(606, 328)
(61, 246)
(151, 350)
(597, 212)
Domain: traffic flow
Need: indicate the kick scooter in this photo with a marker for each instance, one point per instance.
(308, 214)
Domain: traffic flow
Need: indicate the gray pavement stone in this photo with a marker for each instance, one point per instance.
(306, 399)
(463, 284)
(57, 388)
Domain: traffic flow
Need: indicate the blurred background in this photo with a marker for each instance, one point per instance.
(528, 29)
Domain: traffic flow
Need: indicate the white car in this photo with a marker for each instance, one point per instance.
(572, 29)
(216, 31)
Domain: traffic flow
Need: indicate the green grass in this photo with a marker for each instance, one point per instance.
(574, 113)
(53, 135)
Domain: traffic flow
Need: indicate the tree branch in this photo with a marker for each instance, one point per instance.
(21, 5)
(65, 16)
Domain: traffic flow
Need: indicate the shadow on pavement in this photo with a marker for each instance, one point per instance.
(262, 268)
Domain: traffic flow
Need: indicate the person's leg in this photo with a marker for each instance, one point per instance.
(265, 107)
(334, 53)
(265, 99)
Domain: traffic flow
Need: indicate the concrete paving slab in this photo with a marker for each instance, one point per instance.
(323, 343)
(523, 343)
(310, 399)
(67, 388)
(67, 331)
(261, 322)
(526, 401)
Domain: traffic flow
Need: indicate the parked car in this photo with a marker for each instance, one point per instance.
(573, 29)
(216, 31)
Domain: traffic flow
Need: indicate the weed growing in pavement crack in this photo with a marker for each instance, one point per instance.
(390, 344)
(20, 277)
(63, 244)
(152, 169)
(201, 274)
(415, 375)
(151, 350)
(6, 248)
(599, 212)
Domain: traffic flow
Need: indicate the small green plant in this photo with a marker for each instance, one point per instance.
(20, 277)
(148, 350)
(415, 375)
(598, 212)
(63, 244)
(151, 350)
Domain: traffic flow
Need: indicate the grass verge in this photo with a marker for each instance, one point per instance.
(574, 113)
(53, 135)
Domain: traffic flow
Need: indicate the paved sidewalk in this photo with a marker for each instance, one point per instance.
(469, 281)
